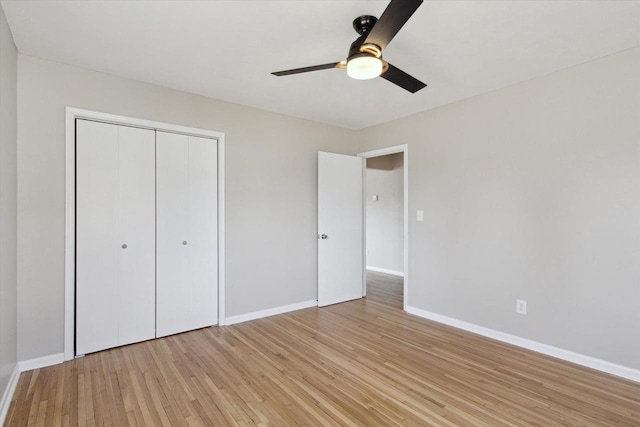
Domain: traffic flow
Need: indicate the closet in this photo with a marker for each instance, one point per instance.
(146, 234)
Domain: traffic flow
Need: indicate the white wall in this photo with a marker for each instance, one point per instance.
(271, 165)
(385, 217)
(8, 206)
(532, 192)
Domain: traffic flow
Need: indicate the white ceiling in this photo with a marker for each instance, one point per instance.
(227, 49)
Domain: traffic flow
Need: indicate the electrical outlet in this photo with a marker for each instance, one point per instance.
(521, 306)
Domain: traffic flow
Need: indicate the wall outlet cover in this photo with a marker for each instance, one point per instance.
(521, 306)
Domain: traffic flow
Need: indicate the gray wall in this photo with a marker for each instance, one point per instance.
(271, 165)
(385, 217)
(8, 206)
(531, 192)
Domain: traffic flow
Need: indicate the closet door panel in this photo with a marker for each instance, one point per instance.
(96, 236)
(203, 232)
(173, 297)
(115, 206)
(186, 183)
(137, 262)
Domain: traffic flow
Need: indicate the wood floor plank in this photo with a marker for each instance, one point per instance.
(360, 363)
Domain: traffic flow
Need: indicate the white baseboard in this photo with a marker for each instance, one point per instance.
(384, 270)
(577, 358)
(8, 394)
(270, 312)
(40, 362)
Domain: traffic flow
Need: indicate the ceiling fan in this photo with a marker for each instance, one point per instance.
(365, 55)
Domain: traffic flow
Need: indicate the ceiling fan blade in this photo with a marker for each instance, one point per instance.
(393, 18)
(397, 76)
(307, 69)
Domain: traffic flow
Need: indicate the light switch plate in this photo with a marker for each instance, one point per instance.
(420, 216)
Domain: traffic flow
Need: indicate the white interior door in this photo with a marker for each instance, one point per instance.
(115, 236)
(187, 234)
(340, 231)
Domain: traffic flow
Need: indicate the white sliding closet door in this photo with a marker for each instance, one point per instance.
(187, 234)
(115, 235)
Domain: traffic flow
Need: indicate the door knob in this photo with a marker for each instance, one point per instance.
(324, 236)
(124, 246)
(184, 242)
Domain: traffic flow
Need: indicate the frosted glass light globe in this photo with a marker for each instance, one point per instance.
(364, 67)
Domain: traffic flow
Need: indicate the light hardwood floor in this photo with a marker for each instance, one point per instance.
(364, 362)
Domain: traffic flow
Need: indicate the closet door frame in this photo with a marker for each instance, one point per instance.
(70, 209)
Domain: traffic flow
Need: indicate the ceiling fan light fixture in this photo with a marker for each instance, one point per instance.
(364, 67)
(364, 60)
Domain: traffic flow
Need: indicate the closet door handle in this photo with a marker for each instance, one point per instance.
(184, 242)
(124, 246)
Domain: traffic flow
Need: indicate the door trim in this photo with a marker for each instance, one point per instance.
(404, 148)
(71, 114)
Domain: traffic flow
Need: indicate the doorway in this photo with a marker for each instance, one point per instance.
(385, 221)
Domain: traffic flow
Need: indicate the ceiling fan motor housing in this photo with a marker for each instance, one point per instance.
(354, 50)
(363, 25)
